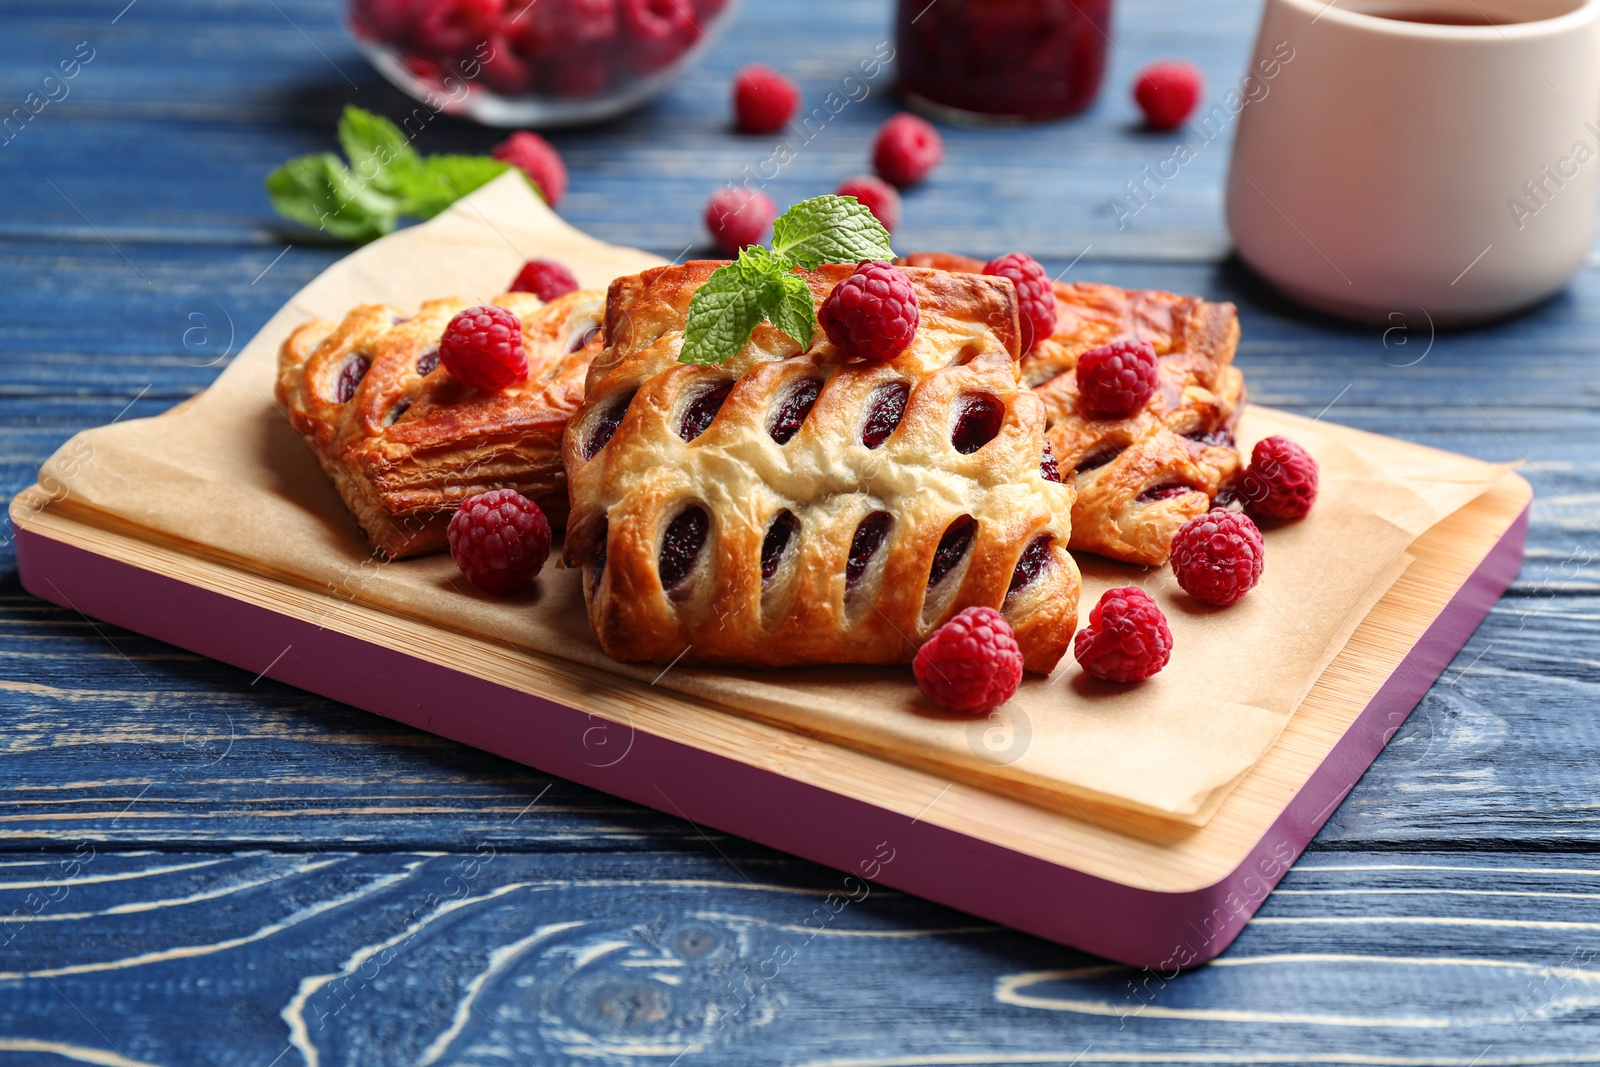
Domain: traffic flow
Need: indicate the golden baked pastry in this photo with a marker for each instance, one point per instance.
(792, 507)
(1141, 478)
(405, 443)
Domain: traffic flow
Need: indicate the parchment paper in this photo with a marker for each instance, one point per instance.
(227, 475)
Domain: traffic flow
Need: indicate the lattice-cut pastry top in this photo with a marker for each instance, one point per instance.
(1141, 478)
(794, 507)
(405, 443)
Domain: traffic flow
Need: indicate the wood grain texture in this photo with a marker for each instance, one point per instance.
(1490, 786)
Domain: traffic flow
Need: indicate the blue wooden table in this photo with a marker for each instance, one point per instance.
(198, 866)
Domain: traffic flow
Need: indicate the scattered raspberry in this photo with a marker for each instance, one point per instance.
(971, 664)
(1036, 298)
(737, 216)
(763, 99)
(539, 160)
(500, 540)
(1281, 482)
(1116, 380)
(1127, 639)
(482, 348)
(1218, 557)
(873, 313)
(1167, 93)
(545, 279)
(907, 148)
(880, 198)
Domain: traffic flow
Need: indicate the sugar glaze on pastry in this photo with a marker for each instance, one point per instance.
(404, 443)
(793, 507)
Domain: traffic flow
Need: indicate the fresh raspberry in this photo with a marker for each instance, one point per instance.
(658, 20)
(1127, 639)
(876, 195)
(1167, 93)
(545, 29)
(971, 664)
(763, 99)
(545, 279)
(1116, 380)
(539, 160)
(1218, 557)
(1036, 297)
(1281, 482)
(737, 216)
(504, 71)
(907, 148)
(575, 73)
(873, 313)
(450, 29)
(482, 348)
(500, 540)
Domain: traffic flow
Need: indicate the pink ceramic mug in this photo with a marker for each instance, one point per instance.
(1439, 154)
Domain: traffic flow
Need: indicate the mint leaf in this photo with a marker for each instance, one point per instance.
(830, 229)
(723, 313)
(760, 283)
(436, 182)
(793, 312)
(379, 152)
(319, 191)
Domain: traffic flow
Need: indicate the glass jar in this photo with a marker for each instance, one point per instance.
(1002, 60)
(534, 62)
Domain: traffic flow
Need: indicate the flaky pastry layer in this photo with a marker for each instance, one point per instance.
(404, 442)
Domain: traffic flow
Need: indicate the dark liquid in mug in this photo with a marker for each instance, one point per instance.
(1432, 16)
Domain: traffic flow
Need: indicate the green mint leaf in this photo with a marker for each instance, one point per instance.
(723, 313)
(793, 312)
(436, 182)
(830, 229)
(319, 191)
(379, 152)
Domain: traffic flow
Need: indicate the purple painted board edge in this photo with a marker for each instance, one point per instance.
(1161, 931)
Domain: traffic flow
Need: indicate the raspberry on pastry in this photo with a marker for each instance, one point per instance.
(404, 442)
(1140, 477)
(1036, 302)
(793, 507)
(872, 314)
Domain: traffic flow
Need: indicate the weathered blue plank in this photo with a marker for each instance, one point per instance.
(487, 956)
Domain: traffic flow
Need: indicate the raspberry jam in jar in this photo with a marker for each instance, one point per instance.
(1002, 60)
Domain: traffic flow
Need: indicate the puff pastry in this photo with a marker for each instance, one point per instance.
(1141, 478)
(793, 507)
(404, 442)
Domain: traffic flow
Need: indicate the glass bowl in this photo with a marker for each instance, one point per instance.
(534, 62)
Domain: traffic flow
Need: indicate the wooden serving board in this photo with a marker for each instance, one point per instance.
(1137, 889)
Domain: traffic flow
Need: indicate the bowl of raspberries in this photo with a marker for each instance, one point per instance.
(534, 62)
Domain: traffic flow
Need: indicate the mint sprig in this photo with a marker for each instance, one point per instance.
(385, 180)
(761, 286)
